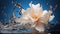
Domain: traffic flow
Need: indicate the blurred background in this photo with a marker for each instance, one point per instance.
(7, 8)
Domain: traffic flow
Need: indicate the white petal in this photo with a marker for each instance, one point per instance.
(51, 18)
(40, 28)
(44, 12)
(23, 11)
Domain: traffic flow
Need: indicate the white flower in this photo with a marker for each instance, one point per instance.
(36, 16)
